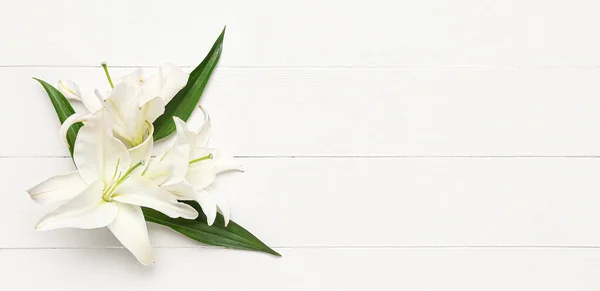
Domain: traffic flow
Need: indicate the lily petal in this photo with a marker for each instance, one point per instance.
(225, 162)
(178, 159)
(222, 206)
(58, 188)
(184, 134)
(74, 118)
(203, 135)
(185, 191)
(201, 174)
(173, 80)
(93, 103)
(182, 190)
(123, 107)
(208, 204)
(165, 83)
(134, 78)
(130, 229)
(143, 192)
(219, 161)
(152, 109)
(72, 92)
(147, 86)
(228, 164)
(97, 154)
(142, 152)
(69, 89)
(158, 171)
(85, 211)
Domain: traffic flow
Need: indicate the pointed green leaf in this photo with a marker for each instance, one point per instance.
(185, 101)
(233, 236)
(63, 110)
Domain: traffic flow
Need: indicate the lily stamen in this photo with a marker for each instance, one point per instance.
(121, 178)
(207, 157)
(116, 168)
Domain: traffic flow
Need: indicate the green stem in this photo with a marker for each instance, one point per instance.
(209, 156)
(107, 74)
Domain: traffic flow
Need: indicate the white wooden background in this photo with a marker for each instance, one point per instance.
(389, 145)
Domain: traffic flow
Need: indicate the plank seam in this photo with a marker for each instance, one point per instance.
(356, 157)
(474, 247)
(541, 67)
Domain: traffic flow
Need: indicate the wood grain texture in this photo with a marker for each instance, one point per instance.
(308, 33)
(389, 145)
(365, 202)
(356, 112)
(305, 269)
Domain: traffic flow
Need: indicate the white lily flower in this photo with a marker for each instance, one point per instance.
(131, 120)
(130, 115)
(165, 83)
(72, 92)
(107, 190)
(194, 167)
(133, 104)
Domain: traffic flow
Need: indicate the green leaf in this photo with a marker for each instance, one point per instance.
(186, 100)
(233, 236)
(63, 110)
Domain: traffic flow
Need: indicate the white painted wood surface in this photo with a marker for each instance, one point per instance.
(308, 33)
(306, 269)
(363, 112)
(389, 145)
(384, 202)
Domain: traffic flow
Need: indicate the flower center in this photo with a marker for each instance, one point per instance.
(117, 180)
(141, 135)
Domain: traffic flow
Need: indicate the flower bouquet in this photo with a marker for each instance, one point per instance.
(118, 184)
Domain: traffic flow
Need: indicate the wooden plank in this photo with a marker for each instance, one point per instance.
(304, 269)
(308, 33)
(355, 112)
(364, 202)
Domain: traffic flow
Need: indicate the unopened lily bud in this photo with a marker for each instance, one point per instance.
(69, 89)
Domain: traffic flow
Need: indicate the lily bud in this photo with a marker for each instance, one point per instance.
(69, 89)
